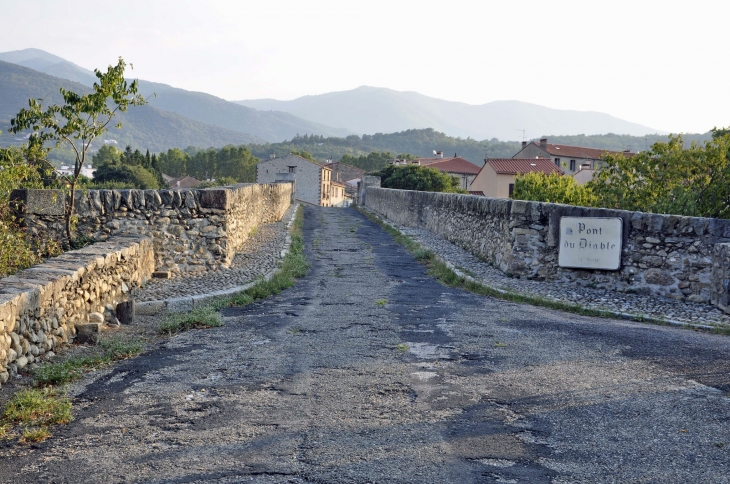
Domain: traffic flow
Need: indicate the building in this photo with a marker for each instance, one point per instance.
(455, 166)
(86, 171)
(496, 179)
(313, 180)
(183, 182)
(340, 198)
(348, 174)
(584, 174)
(569, 158)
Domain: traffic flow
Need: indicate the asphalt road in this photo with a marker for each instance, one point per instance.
(368, 370)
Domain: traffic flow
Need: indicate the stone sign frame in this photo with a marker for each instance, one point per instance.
(613, 262)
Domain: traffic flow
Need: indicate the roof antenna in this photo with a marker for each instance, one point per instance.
(523, 133)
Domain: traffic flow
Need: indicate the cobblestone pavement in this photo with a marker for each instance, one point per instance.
(369, 370)
(259, 255)
(626, 303)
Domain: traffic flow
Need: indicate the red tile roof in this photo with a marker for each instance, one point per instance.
(578, 151)
(456, 164)
(512, 166)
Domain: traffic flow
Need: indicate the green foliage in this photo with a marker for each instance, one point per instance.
(128, 168)
(553, 188)
(133, 176)
(107, 155)
(80, 120)
(669, 179)
(416, 177)
(304, 154)
(230, 162)
(74, 368)
(720, 132)
(35, 410)
(418, 142)
(20, 167)
(374, 161)
(205, 317)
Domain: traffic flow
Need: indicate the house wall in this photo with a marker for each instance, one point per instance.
(192, 230)
(465, 181)
(308, 175)
(664, 255)
(492, 184)
(584, 176)
(338, 195)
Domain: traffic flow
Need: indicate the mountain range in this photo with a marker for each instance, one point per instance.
(250, 124)
(370, 110)
(142, 126)
(179, 118)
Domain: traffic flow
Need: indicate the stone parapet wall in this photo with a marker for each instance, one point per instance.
(663, 255)
(192, 230)
(720, 282)
(40, 306)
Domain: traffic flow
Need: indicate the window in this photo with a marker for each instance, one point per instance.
(292, 169)
(557, 161)
(572, 165)
(511, 189)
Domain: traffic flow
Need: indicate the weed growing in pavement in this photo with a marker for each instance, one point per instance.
(74, 368)
(253, 232)
(205, 317)
(499, 344)
(381, 302)
(35, 409)
(293, 267)
(402, 347)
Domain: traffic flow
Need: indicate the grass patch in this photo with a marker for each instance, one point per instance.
(292, 267)
(381, 302)
(72, 369)
(439, 270)
(205, 317)
(34, 434)
(34, 410)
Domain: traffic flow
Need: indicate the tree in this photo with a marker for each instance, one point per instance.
(552, 188)
(304, 154)
(20, 167)
(416, 177)
(79, 121)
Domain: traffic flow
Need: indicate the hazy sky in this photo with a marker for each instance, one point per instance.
(659, 63)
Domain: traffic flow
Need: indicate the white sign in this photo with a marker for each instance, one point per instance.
(590, 243)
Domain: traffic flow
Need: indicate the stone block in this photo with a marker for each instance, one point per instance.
(88, 333)
(40, 202)
(216, 198)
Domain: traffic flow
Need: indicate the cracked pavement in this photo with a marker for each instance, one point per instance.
(369, 370)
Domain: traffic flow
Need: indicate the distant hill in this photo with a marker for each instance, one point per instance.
(50, 64)
(199, 106)
(422, 142)
(143, 127)
(419, 142)
(370, 110)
